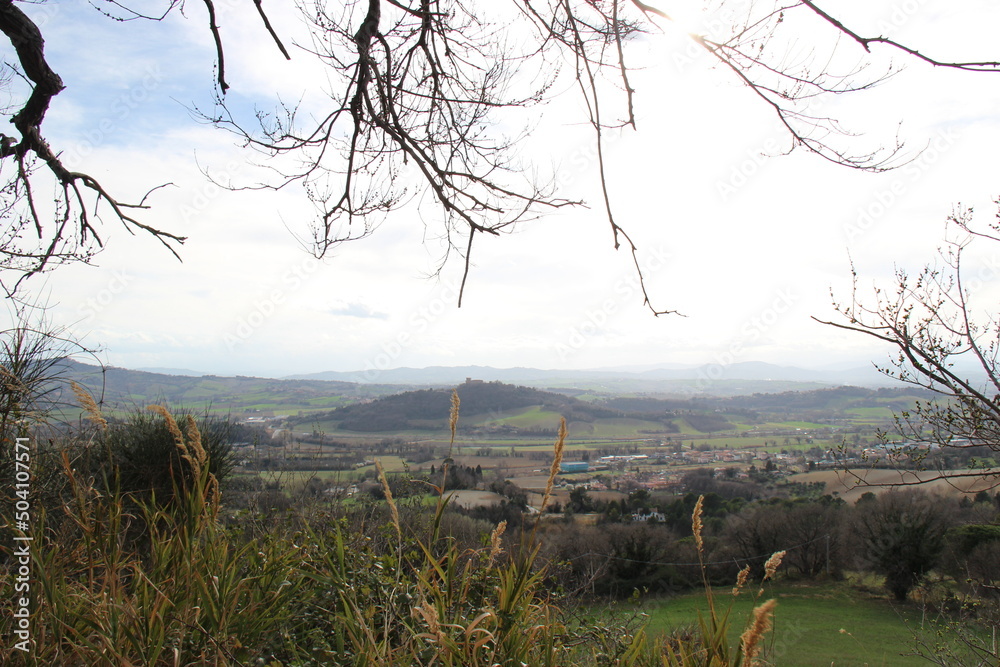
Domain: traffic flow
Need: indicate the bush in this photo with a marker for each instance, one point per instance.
(974, 554)
(901, 536)
(144, 461)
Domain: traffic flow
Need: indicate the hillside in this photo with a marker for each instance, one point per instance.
(729, 380)
(386, 407)
(480, 402)
(827, 402)
(120, 388)
(496, 406)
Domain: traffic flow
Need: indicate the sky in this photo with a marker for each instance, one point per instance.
(746, 243)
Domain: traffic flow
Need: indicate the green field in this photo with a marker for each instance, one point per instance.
(879, 414)
(805, 426)
(614, 428)
(814, 624)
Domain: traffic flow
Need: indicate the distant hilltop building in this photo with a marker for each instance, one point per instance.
(471, 381)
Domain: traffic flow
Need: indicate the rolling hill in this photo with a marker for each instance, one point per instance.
(481, 402)
(707, 379)
(122, 389)
(525, 409)
(390, 407)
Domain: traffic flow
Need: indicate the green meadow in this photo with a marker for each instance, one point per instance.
(814, 624)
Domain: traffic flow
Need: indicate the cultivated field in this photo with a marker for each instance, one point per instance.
(851, 484)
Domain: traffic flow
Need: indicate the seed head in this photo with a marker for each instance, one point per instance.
(741, 580)
(495, 536)
(772, 564)
(556, 461)
(696, 523)
(751, 637)
(89, 405)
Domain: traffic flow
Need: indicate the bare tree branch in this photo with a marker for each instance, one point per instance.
(866, 42)
(270, 30)
(220, 54)
(64, 242)
(931, 323)
(412, 115)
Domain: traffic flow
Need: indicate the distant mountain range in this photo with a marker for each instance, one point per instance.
(184, 372)
(705, 379)
(319, 392)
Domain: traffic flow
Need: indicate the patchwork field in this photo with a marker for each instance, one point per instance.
(468, 498)
(851, 484)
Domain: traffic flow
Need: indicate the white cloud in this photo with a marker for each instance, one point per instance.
(357, 310)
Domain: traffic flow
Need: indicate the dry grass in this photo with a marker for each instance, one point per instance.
(851, 484)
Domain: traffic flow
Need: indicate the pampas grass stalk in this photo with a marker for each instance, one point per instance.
(761, 623)
(556, 462)
(495, 546)
(388, 498)
(453, 418)
(741, 580)
(771, 566)
(89, 405)
(696, 525)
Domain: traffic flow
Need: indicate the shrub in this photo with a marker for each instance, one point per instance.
(143, 459)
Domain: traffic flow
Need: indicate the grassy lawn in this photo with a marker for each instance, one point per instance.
(809, 620)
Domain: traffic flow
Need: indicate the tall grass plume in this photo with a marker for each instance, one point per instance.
(89, 405)
(556, 463)
(760, 624)
(393, 510)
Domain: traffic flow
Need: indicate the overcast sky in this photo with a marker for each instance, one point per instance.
(747, 247)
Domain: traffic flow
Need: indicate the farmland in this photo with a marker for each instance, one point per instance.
(796, 439)
(330, 432)
(776, 472)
